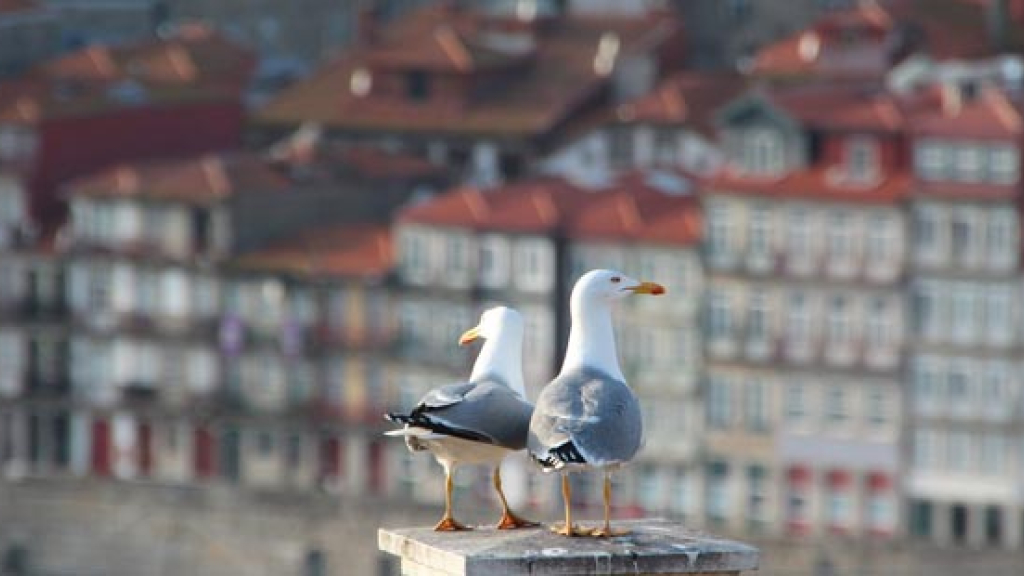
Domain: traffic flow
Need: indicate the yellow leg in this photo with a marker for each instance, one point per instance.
(448, 523)
(509, 521)
(606, 530)
(568, 529)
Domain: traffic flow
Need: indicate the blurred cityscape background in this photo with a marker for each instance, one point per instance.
(233, 233)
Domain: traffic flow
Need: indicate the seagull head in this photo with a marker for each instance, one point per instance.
(493, 322)
(612, 285)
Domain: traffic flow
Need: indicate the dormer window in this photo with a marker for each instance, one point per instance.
(861, 158)
(417, 85)
(762, 153)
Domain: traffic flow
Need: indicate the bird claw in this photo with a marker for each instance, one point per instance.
(608, 532)
(510, 521)
(572, 531)
(448, 524)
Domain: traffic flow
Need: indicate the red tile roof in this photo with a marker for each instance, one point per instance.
(629, 211)
(554, 73)
(840, 107)
(196, 62)
(201, 180)
(537, 205)
(816, 183)
(954, 29)
(683, 98)
(989, 115)
(361, 250)
(961, 190)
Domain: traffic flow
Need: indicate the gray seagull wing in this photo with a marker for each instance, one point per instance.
(585, 417)
(484, 411)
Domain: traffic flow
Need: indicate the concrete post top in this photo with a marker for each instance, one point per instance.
(653, 547)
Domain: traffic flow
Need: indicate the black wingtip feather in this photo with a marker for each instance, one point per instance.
(559, 456)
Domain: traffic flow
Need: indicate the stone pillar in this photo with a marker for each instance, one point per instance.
(652, 547)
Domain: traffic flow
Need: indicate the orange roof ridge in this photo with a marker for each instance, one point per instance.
(181, 62)
(453, 47)
(213, 171)
(27, 108)
(545, 206)
(674, 102)
(476, 203)
(99, 57)
(629, 211)
(126, 179)
(887, 111)
(1005, 112)
(875, 12)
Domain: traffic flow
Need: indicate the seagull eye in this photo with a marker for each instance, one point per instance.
(616, 279)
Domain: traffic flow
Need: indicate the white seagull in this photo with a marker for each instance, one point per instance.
(587, 417)
(480, 421)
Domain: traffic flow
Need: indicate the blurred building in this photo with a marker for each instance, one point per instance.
(28, 34)
(485, 93)
(804, 250)
(100, 105)
(965, 465)
(84, 22)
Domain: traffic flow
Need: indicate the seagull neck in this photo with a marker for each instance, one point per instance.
(501, 358)
(592, 340)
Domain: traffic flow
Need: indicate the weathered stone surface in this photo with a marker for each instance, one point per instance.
(653, 547)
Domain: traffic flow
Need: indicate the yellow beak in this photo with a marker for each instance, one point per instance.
(469, 336)
(651, 288)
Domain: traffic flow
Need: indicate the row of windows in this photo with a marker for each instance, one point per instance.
(973, 162)
(763, 231)
(968, 236)
(841, 318)
(964, 384)
(965, 312)
(492, 261)
(964, 452)
(748, 404)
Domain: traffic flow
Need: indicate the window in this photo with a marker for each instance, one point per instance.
(839, 320)
(879, 512)
(719, 403)
(718, 230)
(925, 230)
(798, 233)
(880, 243)
(838, 506)
(795, 403)
(718, 491)
(798, 324)
(993, 454)
(878, 410)
(720, 317)
(962, 245)
(755, 406)
(835, 405)
(930, 160)
(840, 245)
(969, 163)
(925, 451)
(879, 322)
(925, 308)
(920, 518)
(926, 383)
(1004, 164)
(534, 266)
(757, 318)
(763, 152)
(413, 255)
(264, 443)
(756, 490)
(417, 85)
(1001, 238)
(457, 255)
(999, 316)
(996, 386)
(959, 452)
(760, 232)
(958, 385)
(494, 262)
(861, 158)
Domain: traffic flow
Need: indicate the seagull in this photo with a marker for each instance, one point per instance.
(587, 417)
(480, 421)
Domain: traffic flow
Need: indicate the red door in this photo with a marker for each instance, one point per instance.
(202, 453)
(145, 449)
(101, 447)
(330, 458)
(376, 467)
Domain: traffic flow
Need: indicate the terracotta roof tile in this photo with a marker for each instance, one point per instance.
(840, 106)
(13, 6)
(554, 75)
(183, 67)
(989, 115)
(199, 180)
(361, 250)
(815, 184)
(686, 97)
